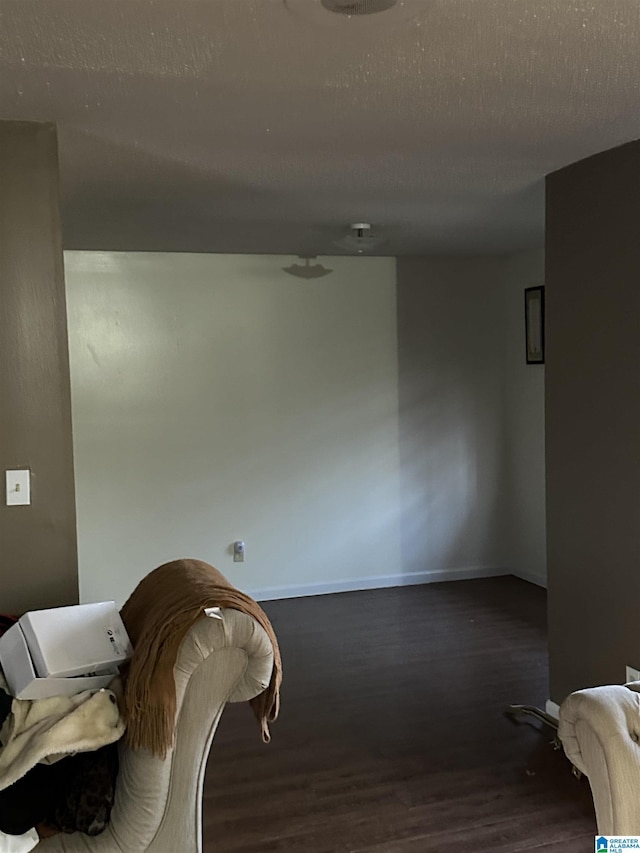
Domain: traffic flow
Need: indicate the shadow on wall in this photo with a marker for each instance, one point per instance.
(452, 471)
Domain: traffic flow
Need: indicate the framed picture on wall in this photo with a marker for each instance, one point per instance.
(534, 324)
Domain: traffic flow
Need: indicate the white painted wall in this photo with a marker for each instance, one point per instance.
(524, 427)
(216, 398)
(451, 351)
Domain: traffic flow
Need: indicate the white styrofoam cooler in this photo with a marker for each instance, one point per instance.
(64, 650)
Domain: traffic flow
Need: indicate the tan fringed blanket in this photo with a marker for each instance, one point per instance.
(157, 616)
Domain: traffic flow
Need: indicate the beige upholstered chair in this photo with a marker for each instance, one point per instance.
(600, 732)
(158, 804)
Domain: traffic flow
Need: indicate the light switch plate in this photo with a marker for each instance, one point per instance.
(18, 487)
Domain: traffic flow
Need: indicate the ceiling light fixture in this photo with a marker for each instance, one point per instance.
(337, 14)
(360, 239)
(357, 7)
(307, 270)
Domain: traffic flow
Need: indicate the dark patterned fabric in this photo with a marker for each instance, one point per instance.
(88, 798)
(73, 795)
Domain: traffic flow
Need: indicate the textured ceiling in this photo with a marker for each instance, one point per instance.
(268, 126)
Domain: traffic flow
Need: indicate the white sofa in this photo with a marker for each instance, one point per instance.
(600, 731)
(158, 803)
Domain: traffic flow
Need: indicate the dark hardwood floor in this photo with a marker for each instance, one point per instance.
(392, 736)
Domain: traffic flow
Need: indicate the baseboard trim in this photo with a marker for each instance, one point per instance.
(552, 709)
(379, 582)
(531, 577)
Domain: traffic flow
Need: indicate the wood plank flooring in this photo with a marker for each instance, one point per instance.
(392, 736)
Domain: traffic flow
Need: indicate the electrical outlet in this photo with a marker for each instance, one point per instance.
(632, 674)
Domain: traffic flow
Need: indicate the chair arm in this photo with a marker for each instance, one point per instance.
(158, 801)
(600, 732)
